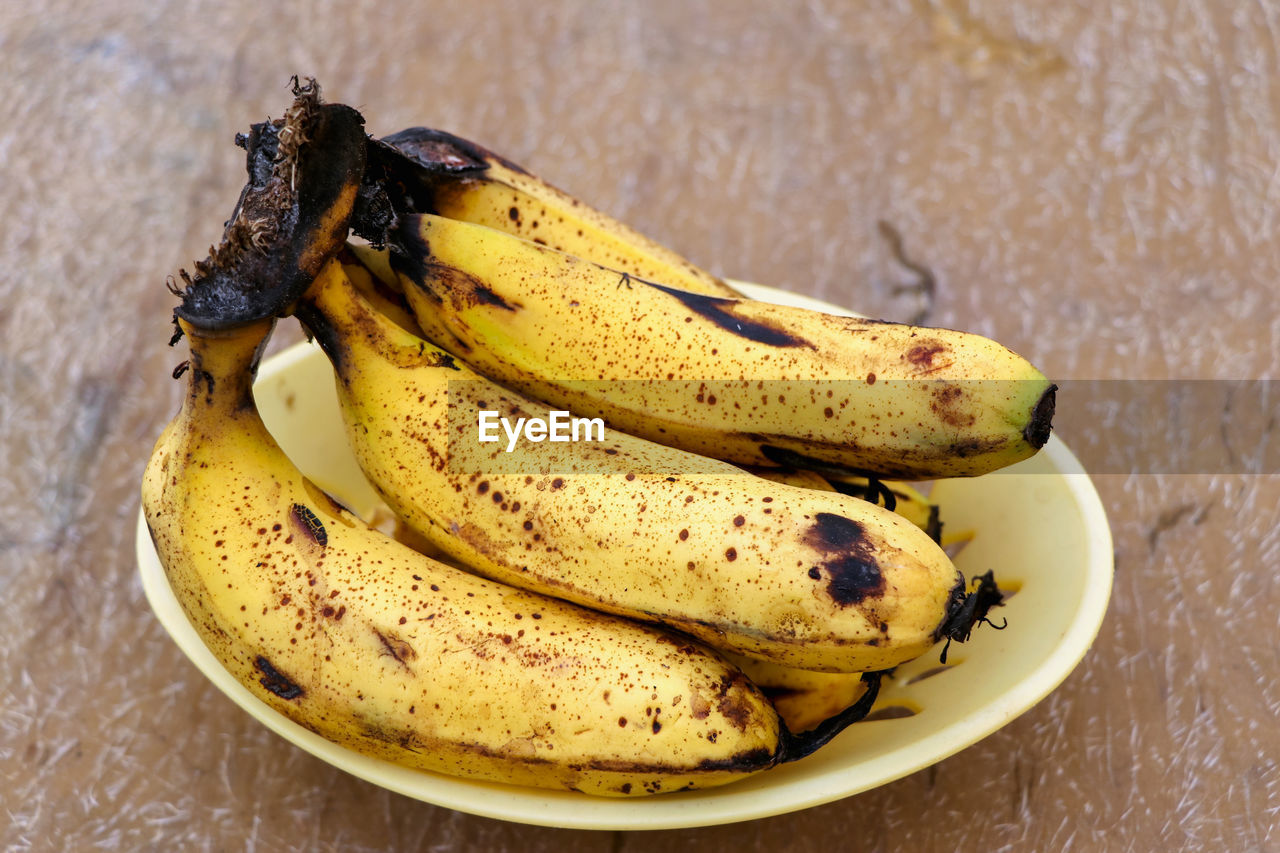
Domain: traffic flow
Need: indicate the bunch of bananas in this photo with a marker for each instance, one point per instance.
(594, 609)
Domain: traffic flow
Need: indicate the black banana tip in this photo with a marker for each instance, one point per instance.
(1037, 431)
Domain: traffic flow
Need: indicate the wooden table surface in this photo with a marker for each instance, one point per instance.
(1095, 185)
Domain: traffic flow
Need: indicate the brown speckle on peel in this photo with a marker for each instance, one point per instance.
(486, 296)
(395, 647)
(464, 288)
(440, 359)
(832, 532)
(974, 447)
(733, 704)
(745, 761)
(850, 560)
(699, 706)
(922, 355)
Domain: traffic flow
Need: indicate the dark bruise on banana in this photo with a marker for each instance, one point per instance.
(383, 650)
(720, 312)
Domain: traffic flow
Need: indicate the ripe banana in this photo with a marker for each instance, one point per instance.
(741, 380)
(804, 698)
(382, 650)
(458, 179)
(443, 174)
(812, 579)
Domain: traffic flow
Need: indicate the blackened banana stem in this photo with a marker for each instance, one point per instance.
(293, 215)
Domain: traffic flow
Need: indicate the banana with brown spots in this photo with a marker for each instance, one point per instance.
(380, 649)
(356, 636)
(737, 379)
(444, 174)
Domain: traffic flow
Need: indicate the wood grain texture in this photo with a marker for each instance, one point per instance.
(1096, 186)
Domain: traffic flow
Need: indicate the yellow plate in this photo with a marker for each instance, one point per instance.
(1040, 526)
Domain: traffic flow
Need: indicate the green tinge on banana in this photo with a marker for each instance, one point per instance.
(811, 579)
(741, 380)
(450, 176)
(392, 654)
